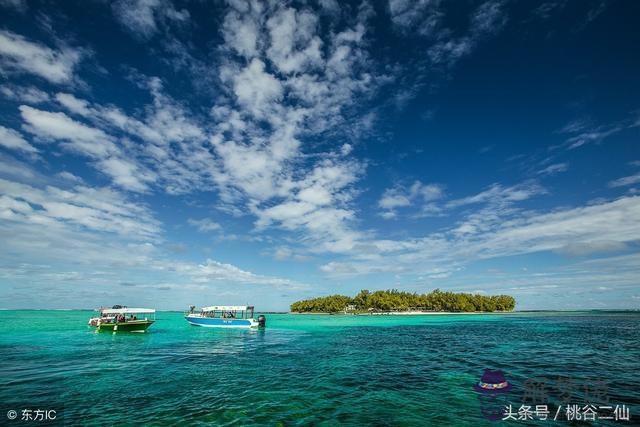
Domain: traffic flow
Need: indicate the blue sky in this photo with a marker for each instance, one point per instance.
(161, 153)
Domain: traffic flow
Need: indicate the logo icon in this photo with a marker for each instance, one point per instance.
(493, 390)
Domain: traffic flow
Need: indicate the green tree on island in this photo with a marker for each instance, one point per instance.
(394, 300)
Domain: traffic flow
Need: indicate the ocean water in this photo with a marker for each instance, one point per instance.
(314, 370)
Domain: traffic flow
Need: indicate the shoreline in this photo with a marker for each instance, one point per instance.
(404, 313)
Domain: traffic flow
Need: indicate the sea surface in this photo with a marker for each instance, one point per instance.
(316, 370)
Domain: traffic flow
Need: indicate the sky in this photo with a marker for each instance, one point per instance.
(165, 153)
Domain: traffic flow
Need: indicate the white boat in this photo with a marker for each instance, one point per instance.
(225, 316)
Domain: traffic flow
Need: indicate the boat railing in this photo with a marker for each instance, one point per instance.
(222, 314)
(128, 317)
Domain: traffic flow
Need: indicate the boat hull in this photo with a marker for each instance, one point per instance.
(209, 322)
(130, 326)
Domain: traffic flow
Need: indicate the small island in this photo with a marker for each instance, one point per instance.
(397, 302)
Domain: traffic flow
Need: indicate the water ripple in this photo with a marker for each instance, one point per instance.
(305, 370)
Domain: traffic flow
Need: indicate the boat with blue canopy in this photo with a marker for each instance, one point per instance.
(224, 316)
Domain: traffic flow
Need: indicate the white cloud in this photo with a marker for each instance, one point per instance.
(292, 81)
(252, 168)
(398, 197)
(331, 7)
(241, 28)
(625, 181)
(17, 170)
(450, 51)
(85, 208)
(545, 10)
(256, 89)
(204, 225)
(294, 45)
(592, 136)
(13, 140)
(319, 208)
(88, 141)
(576, 284)
(498, 232)
(423, 16)
(171, 151)
(499, 194)
(610, 221)
(19, 55)
(553, 169)
(127, 174)
(575, 126)
(215, 271)
(427, 192)
(582, 132)
(486, 20)
(284, 253)
(440, 46)
(169, 118)
(19, 5)
(73, 244)
(75, 135)
(27, 94)
(111, 118)
(73, 104)
(592, 247)
(144, 17)
(392, 199)
(69, 177)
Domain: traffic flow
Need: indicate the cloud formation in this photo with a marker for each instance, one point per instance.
(20, 55)
(498, 232)
(143, 18)
(280, 120)
(13, 140)
(399, 197)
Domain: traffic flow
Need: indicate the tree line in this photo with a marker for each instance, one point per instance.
(394, 300)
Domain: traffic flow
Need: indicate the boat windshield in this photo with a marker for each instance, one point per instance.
(227, 312)
(123, 315)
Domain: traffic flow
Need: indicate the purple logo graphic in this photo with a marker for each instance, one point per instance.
(493, 390)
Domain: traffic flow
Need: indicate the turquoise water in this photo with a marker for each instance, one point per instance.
(307, 370)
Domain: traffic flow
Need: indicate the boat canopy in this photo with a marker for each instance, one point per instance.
(127, 310)
(228, 308)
